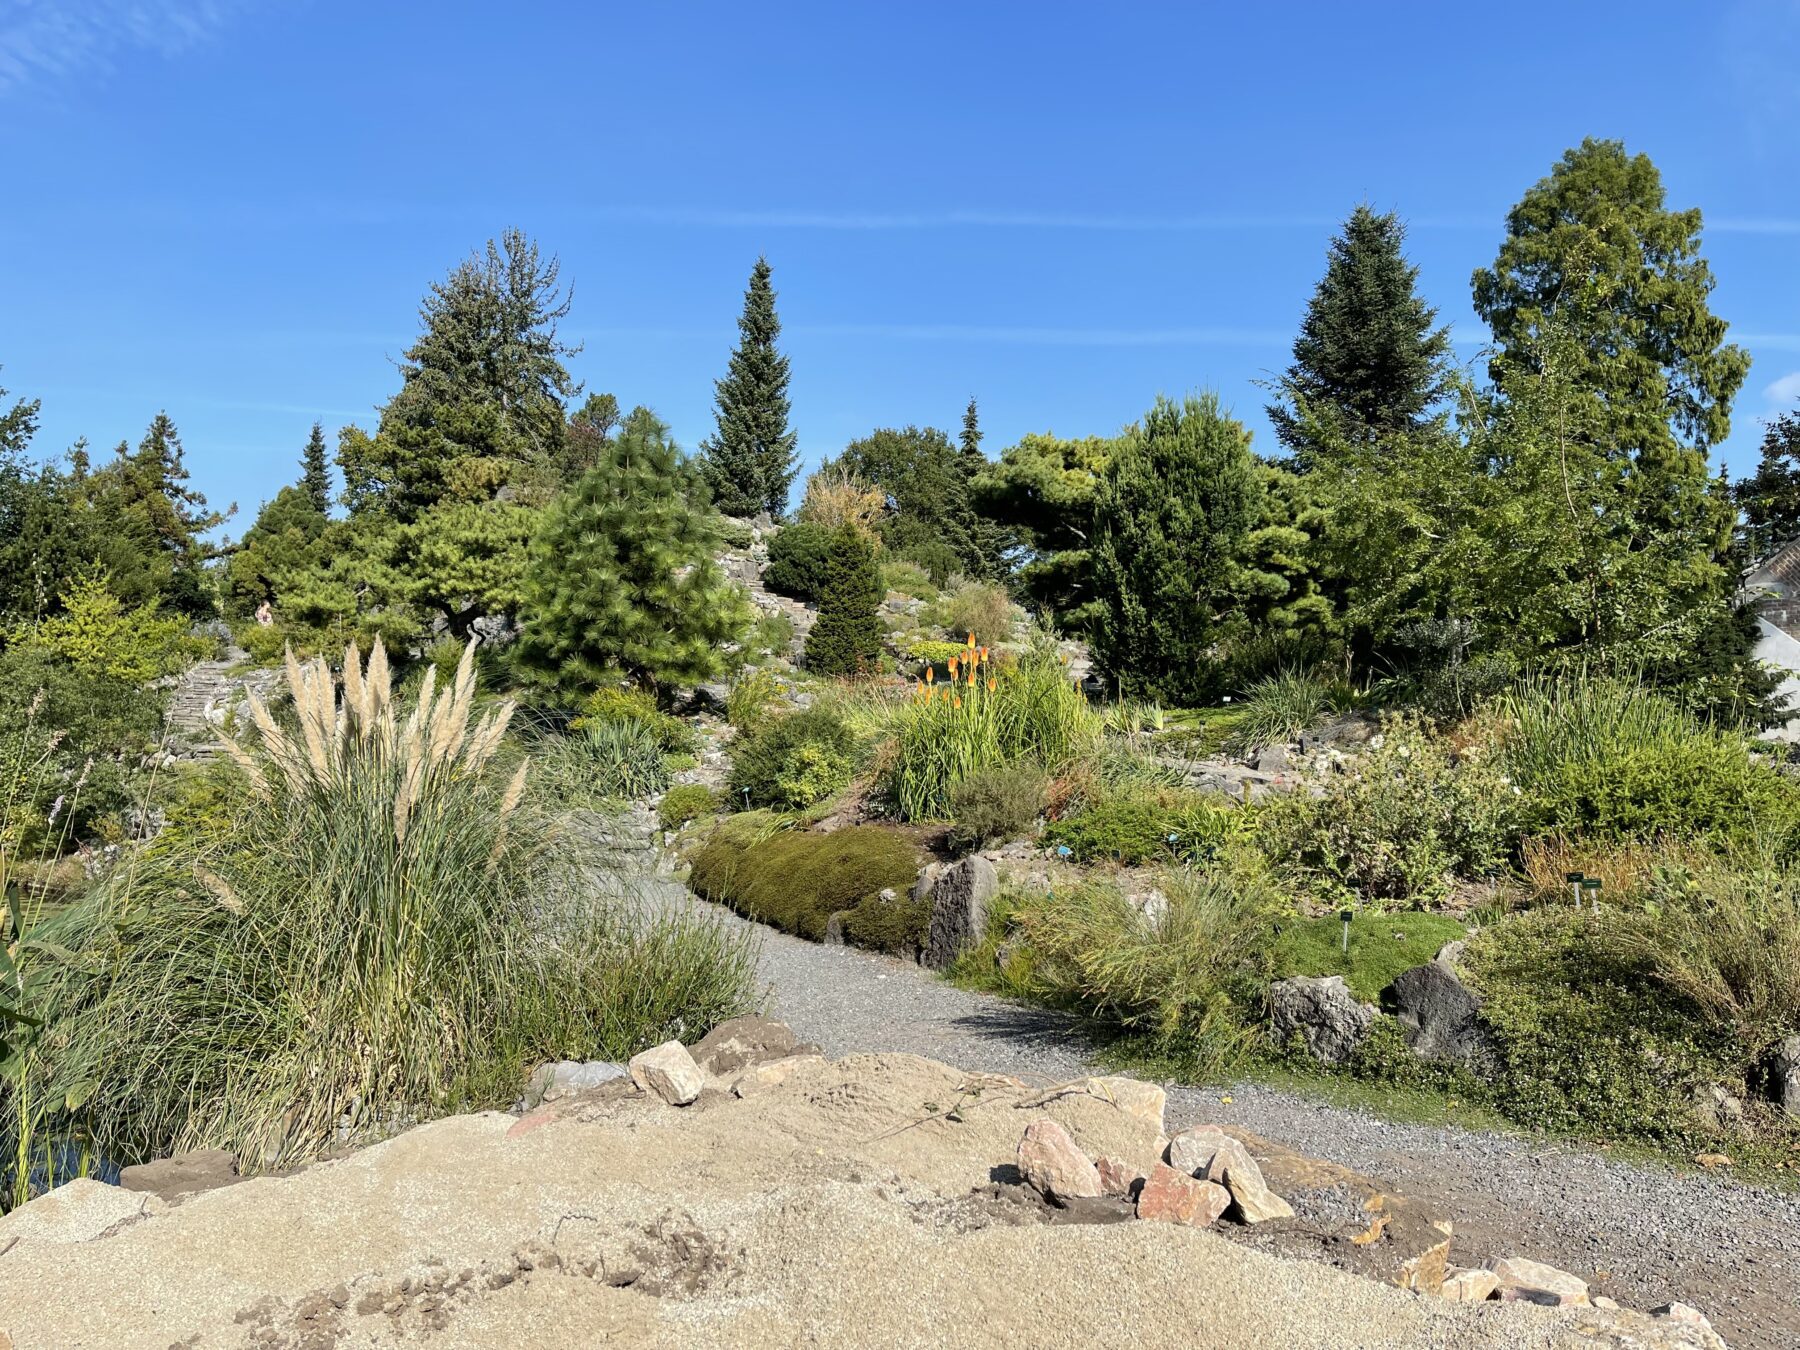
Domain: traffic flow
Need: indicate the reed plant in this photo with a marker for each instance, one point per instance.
(385, 929)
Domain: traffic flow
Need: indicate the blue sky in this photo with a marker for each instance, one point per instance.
(229, 209)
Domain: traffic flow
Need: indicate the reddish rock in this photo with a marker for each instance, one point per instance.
(1190, 1151)
(1469, 1286)
(1168, 1196)
(1118, 1177)
(1523, 1281)
(1050, 1161)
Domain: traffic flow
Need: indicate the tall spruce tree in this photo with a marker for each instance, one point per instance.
(155, 495)
(1770, 497)
(622, 577)
(1593, 251)
(749, 463)
(968, 444)
(1368, 356)
(1173, 559)
(315, 471)
(846, 637)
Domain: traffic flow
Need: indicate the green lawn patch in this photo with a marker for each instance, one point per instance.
(1381, 946)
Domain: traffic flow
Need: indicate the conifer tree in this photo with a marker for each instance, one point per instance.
(846, 637)
(622, 578)
(1770, 497)
(154, 495)
(1173, 557)
(749, 463)
(968, 444)
(1368, 357)
(315, 471)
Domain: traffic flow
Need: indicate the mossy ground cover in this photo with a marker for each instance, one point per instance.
(1381, 946)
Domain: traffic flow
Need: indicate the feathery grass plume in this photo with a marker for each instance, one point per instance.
(379, 933)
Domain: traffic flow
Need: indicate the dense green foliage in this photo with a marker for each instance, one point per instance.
(1042, 491)
(622, 576)
(1132, 827)
(792, 761)
(846, 637)
(797, 560)
(798, 881)
(1381, 946)
(998, 803)
(1770, 497)
(685, 802)
(925, 480)
(749, 463)
(1368, 357)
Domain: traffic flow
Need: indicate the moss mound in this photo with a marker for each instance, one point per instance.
(796, 880)
(1381, 946)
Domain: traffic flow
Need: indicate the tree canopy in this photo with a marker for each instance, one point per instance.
(749, 462)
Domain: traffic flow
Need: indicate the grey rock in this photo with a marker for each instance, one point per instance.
(1274, 759)
(565, 1077)
(1783, 1075)
(1338, 731)
(1719, 1108)
(1323, 1011)
(1440, 1015)
(926, 881)
(959, 904)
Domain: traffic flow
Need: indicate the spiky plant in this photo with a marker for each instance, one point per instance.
(380, 932)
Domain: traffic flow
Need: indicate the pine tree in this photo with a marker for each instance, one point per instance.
(969, 443)
(154, 494)
(749, 463)
(1173, 556)
(846, 637)
(622, 577)
(1770, 497)
(1367, 356)
(315, 471)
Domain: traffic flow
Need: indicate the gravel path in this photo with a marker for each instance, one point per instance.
(1643, 1234)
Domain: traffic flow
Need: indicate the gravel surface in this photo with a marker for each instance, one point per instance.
(1643, 1234)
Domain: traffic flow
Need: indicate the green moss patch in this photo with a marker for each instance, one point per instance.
(1381, 946)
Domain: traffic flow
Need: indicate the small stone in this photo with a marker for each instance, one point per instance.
(1605, 1304)
(1050, 1161)
(1534, 1282)
(1169, 1196)
(1462, 1285)
(1190, 1151)
(762, 1077)
(1145, 1101)
(668, 1071)
(1118, 1177)
(1682, 1313)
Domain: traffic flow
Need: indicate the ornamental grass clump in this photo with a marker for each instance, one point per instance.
(980, 716)
(384, 929)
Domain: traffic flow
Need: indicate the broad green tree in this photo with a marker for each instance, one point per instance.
(622, 577)
(1172, 557)
(1041, 492)
(1593, 253)
(749, 462)
(926, 481)
(846, 637)
(483, 389)
(1370, 355)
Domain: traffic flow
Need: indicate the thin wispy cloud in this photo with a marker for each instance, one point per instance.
(1784, 342)
(1029, 335)
(1785, 390)
(946, 219)
(51, 40)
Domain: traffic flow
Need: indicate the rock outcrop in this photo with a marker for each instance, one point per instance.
(1323, 1012)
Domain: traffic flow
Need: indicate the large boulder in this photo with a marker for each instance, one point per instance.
(959, 904)
(76, 1211)
(738, 1043)
(1053, 1164)
(185, 1174)
(1323, 1012)
(553, 1081)
(669, 1072)
(1439, 1014)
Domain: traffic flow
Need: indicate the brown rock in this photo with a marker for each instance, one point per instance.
(742, 1041)
(1534, 1282)
(1468, 1286)
(1118, 1177)
(204, 1169)
(1233, 1168)
(1051, 1163)
(668, 1071)
(1169, 1196)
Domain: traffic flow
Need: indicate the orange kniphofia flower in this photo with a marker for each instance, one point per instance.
(957, 702)
(992, 684)
(952, 665)
(983, 653)
(930, 674)
(971, 640)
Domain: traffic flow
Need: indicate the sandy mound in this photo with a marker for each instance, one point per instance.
(863, 1202)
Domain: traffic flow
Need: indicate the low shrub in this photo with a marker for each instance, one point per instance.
(979, 610)
(1406, 818)
(383, 930)
(750, 697)
(1139, 826)
(600, 763)
(612, 704)
(1605, 757)
(1381, 946)
(792, 761)
(732, 532)
(797, 556)
(908, 578)
(996, 804)
(935, 558)
(1279, 707)
(685, 802)
(935, 651)
(796, 880)
(1182, 987)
